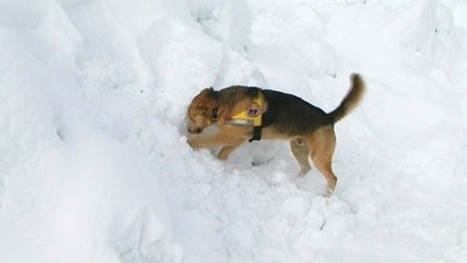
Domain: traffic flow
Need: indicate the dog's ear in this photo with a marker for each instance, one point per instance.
(205, 100)
(211, 104)
(210, 100)
(207, 91)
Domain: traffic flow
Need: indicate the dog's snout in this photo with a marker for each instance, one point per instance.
(196, 130)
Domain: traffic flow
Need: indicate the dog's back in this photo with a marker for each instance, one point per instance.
(292, 115)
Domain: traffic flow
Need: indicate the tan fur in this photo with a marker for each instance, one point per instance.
(317, 142)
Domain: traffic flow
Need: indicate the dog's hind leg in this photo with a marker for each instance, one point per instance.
(321, 144)
(226, 150)
(301, 153)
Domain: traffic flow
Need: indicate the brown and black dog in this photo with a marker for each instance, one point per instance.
(249, 113)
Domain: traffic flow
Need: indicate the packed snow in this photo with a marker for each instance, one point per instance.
(94, 164)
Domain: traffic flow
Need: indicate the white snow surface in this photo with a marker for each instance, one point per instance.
(94, 164)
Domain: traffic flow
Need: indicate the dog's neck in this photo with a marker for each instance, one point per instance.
(251, 116)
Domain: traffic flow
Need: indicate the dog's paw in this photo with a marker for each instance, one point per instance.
(222, 156)
(193, 144)
(304, 170)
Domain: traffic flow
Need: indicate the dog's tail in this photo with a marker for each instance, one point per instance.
(351, 100)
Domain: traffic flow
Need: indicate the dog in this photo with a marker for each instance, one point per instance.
(249, 113)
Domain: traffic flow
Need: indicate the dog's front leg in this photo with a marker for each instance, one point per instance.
(213, 140)
(228, 136)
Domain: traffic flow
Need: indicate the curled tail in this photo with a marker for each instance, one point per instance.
(351, 100)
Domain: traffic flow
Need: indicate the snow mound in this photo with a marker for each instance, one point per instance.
(94, 165)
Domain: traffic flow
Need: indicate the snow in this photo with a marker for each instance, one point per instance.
(94, 164)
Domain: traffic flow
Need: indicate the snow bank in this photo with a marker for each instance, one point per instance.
(72, 192)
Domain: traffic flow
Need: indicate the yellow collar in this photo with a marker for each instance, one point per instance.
(252, 116)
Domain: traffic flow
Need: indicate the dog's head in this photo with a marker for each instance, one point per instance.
(202, 111)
